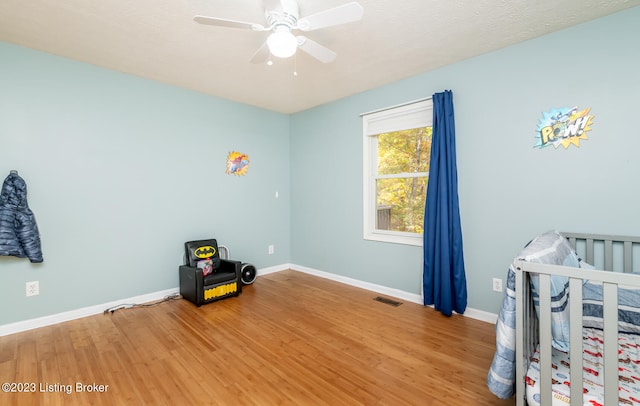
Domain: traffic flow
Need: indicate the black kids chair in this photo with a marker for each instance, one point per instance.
(198, 285)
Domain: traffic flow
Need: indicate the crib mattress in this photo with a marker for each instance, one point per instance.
(628, 370)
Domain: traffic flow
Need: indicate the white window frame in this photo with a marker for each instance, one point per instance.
(410, 115)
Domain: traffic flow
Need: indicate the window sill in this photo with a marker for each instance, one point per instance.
(396, 238)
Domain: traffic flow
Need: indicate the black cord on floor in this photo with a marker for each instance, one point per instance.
(168, 298)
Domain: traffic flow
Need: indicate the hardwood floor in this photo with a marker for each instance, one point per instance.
(289, 339)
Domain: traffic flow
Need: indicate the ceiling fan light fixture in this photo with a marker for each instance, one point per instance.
(282, 43)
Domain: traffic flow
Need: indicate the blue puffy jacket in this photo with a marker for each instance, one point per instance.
(19, 235)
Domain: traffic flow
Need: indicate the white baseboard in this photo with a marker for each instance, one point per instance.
(481, 315)
(409, 297)
(272, 269)
(19, 326)
(400, 294)
(25, 325)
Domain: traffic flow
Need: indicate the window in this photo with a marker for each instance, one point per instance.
(397, 148)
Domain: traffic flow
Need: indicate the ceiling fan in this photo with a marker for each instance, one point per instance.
(283, 17)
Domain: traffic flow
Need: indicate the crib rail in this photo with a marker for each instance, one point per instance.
(603, 251)
(611, 251)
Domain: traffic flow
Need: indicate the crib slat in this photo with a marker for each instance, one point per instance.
(575, 334)
(628, 260)
(610, 353)
(545, 338)
(522, 291)
(589, 243)
(608, 255)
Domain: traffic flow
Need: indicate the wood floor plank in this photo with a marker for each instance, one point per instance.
(288, 339)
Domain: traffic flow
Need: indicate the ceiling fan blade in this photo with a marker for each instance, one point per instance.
(261, 55)
(223, 22)
(321, 53)
(334, 16)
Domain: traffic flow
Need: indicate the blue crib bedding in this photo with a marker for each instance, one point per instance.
(548, 248)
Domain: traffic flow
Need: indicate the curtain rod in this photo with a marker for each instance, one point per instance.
(396, 106)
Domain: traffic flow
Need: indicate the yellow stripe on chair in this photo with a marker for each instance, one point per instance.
(220, 291)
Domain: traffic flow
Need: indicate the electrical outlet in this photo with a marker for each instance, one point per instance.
(271, 249)
(33, 288)
(497, 285)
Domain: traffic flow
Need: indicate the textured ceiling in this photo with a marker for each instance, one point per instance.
(158, 39)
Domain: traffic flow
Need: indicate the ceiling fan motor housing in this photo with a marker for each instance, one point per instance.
(286, 13)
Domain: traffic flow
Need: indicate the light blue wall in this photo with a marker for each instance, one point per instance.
(121, 171)
(509, 191)
(117, 169)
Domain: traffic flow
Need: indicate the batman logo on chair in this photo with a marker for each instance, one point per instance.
(206, 251)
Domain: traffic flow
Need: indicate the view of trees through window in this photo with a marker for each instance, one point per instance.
(401, 183)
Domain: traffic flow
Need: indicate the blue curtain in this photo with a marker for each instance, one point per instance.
(443, 279)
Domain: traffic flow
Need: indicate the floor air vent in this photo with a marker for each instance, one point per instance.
(387, 301)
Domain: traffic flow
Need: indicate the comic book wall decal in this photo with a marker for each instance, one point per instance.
(564, 126)
(237, 163)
